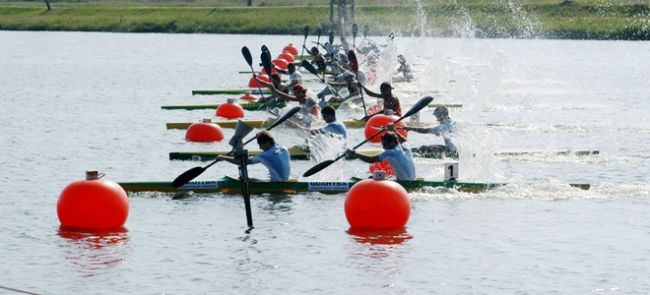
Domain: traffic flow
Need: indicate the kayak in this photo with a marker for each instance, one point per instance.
(269, 121)
(301, 153)
(256, 106)
(228, 185)
(249, 106)
(231, 91)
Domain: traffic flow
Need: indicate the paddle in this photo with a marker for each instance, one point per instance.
(249, 60)
(331, 37)
(322, 165)
(355, 29)
(365, 31)
(307, 65)
(302, 51)
(318, 31)
(188, 175)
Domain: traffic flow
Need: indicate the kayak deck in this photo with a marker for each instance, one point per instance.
(256, 106)
(233, 186)
(270, 121)
(300, 153)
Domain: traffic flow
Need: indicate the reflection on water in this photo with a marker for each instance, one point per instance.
(92, 252)
(380, 237)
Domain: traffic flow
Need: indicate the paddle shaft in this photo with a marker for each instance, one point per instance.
(306, 31)
(249, 60)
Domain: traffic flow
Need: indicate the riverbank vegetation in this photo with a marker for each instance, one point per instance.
(578, 19)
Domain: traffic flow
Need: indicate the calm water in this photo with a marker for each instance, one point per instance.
(72, 102)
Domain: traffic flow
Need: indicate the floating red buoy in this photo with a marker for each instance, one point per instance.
(381, 166)
(290, 49)
(280, 63)
(253, 83)
(377, 204)
(380, 121)
(204, 132)
(287, 56)
(273, 71)
(230, 110)
(248, 97)
(93, 204)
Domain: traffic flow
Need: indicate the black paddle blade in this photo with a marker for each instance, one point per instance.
(307, 65)
(331, 37)
(423, 102)
(306, 31)
(365, 31)
(284, 117)
(247, 55)
(355, 29)
(320, 166)
(266, 49)
(187, 176)
(266, 62)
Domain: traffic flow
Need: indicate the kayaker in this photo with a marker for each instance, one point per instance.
(317, 59)
(309, 105)
(391, 102)
(333, 127)
(396, 152)
(446, 129)
(276, 82)
(343, 80)
(295, 77)
(273, 157)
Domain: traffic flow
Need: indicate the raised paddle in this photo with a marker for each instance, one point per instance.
(365, 31)
(331, 37)
(306, 32)
(318, 31)
(416, 108)
(307, 65)
(355, 29)
(188, 175)
(249, 60)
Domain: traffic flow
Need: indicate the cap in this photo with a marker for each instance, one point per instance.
(441, 110)
(298, 88)
(386, 86)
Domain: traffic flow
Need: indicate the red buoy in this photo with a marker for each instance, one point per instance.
(204, 132)
(248, 97)
(290, 49)
(273, 71)
(230, 110)
(280, 63)
(253, 83)
(377, 204)
(381, 166)
(287, 56)
(93, 203)
(377, 122)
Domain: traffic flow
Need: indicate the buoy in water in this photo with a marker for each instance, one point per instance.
(290, 49)
(248, 97)
(280, 63)
(377, 204)
(204, 131)
(287, 56)
(253, 83)
(273, 71)
(381, 166)
(377, 122)
(93, 203)
(230, 110)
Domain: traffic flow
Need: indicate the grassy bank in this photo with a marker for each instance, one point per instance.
(588, 19)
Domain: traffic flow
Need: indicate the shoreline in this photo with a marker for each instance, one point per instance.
(532, 20)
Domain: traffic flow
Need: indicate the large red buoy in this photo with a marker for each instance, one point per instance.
(204, 131)
(287, 56)
(93, 203)
(290, 49)
(253, 83)
(377, 204)
(230, 110)
(381, 166)
(281, 64)
(380, 121)
(248, 97)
